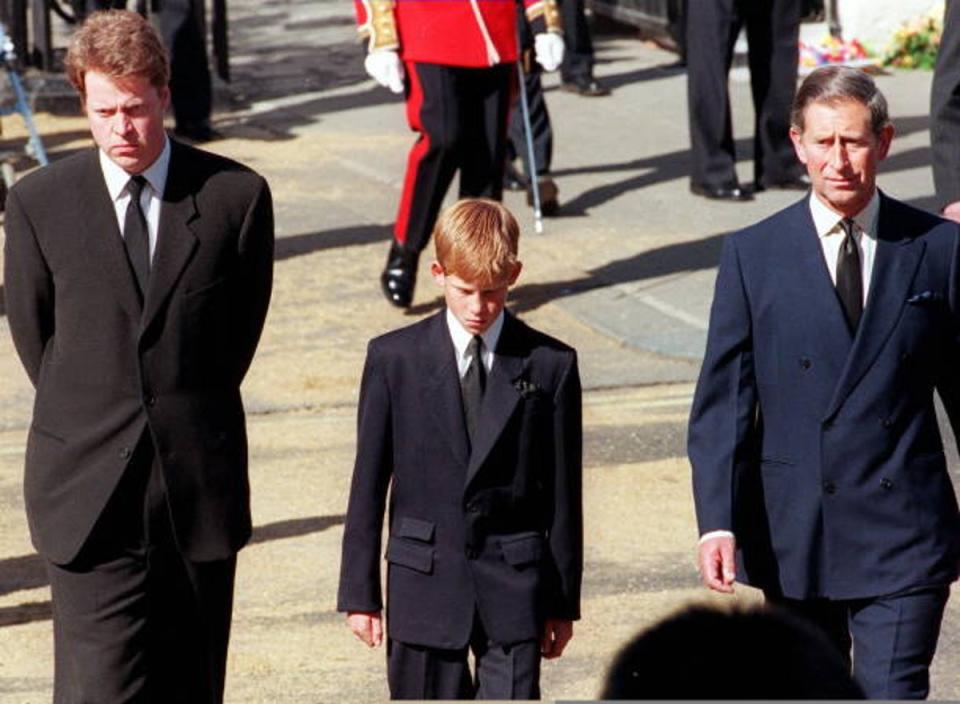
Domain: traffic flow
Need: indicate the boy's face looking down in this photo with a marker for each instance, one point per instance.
(476, 305)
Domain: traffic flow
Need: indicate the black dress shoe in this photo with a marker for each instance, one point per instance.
(547, 187)
(585, 86)
(399, 275)
(727, 191)
(800, 182)
(513, 180)
(197, 132)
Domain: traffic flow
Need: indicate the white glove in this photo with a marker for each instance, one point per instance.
(386, 69)
(548, 48)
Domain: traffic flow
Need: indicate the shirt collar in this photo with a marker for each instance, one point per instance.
(826, 221)
(117, 179)
(461, 337)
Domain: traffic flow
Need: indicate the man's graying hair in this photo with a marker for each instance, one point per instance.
(835, 84)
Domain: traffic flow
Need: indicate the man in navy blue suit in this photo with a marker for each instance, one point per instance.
(818, 467)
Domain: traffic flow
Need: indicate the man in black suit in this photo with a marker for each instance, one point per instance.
(818, 467)
(137, 280)
(945, 115)
(773, 29)
(472, 420)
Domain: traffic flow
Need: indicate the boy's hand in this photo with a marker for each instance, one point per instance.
(367, 626)
(556, 634)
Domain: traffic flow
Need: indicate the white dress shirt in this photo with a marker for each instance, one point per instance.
(830, 233)
(150, 198)
(461, 338)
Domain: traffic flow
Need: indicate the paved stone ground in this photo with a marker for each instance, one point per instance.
(625, 274)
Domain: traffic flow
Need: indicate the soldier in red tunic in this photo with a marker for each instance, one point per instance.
(453, 60)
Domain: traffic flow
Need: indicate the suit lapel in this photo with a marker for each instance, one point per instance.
(812, 290)
(894, 268)
(443, 386)
(501, 395)
(176, 240)
(98, 223)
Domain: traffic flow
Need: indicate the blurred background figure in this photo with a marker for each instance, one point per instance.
(541, 131)
(182, 24)
(455, 64)
(773, 30)
(704, 653)
(945, 115)
(576, 72)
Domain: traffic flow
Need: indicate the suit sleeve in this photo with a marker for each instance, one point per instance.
(255, 279)
(948, 382)
(543, 16)
(565, 531)
(360, 560)
(945, 110)
(377, 23)
(28, 288)
(724, 406)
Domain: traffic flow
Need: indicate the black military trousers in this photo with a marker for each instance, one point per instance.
(461, 117)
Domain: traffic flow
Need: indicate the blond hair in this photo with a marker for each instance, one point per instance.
(477, 239)
(119, 44)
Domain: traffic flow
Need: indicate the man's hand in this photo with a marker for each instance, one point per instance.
(556, 634)
(367, 626)
(718, 566)
(385, 68)
(952, 211)
(548, 48)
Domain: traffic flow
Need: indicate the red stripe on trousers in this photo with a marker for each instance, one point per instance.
(420, 147)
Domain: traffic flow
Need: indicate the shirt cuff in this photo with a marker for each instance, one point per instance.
(715, 534)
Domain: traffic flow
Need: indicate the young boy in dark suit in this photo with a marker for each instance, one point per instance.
(472, 420)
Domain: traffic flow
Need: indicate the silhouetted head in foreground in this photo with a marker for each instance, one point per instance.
(706, 653)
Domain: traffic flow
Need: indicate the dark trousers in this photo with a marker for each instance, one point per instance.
(945, 110)
(578, 46)
(773, 28)
(134, 621)
(893, 638)
(501, 672)
(540, 127)
(461, 117)
(183, 27)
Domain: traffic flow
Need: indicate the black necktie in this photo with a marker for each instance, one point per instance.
(850, 276)
(472, 386)
(136, 239)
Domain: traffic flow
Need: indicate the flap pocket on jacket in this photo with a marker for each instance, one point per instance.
(522, 549)
(416, 556)
(414, 528)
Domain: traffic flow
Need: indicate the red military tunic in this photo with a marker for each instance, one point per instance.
(469, 33)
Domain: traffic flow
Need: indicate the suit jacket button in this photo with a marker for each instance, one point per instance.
(829, 488)
(886, 484)
(886, 422)
(805, 363)
(151, 400)
(125, 453)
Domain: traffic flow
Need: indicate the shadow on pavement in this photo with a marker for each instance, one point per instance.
(29, 572)
(298, 245)
(681, 257)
